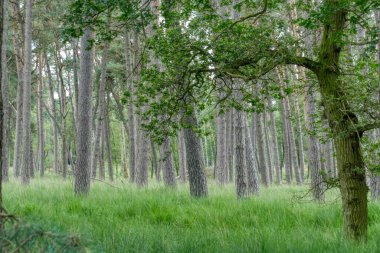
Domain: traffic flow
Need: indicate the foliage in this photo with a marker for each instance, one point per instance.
(19, 236)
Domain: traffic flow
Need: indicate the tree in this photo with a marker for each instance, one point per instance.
(18, 39)
(27, 83)
(5, 95)
(83, 168)
(194, 158)
(102, 108)
(3, 12)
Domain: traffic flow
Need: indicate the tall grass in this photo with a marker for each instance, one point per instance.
(127, 219)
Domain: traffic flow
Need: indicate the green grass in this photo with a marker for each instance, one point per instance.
(162, 220)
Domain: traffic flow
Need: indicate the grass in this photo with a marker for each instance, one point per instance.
(163, 220)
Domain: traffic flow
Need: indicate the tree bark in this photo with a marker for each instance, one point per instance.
(240, 166)
(168, 165)
(252, 168)
(83, 168)
(107, 136)
(285, 126)
(101, 101)
(63, 110)
(263, 168)
(124, 151)
(221, 150)
(314, 153)
(41, 139)
(131, 111)
(5, 94)
(231, 144)
(182, 156)
(18, 38)
(194, 159)
(156, 167)
(268, 153)
(141, 176)
(274, 142)
(351, 169)
(27, 83)
(54, 114)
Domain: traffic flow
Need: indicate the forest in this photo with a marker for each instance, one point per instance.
(189, 126)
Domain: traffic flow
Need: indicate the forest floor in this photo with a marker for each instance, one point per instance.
(156, 219)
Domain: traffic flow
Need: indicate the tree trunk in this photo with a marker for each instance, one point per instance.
(252, 169)
(263, 168)
(41, 140)
(83, 168)
(274, 143)
(231, 144)
(291, 139)
(18, 38)
(285, 126)
(268, 153)
(182, 156)
(63, 110)
(102, 172)
(351, 169)
(27, 83)
(76, 80)
(156, 167)
(241, 167)
(141, 176)
(5, 93)
(107, 136)
(221, 150)
(124, 151)
(101, 100)
(297, 115)
(3, 10)
(194, 159)
(131, 111)
(314, 152)
(168, 165)
(54, 114)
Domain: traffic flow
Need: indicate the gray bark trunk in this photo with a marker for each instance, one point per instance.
(182, 156)
(314, 149)
(141, 176)
(156, 168)
(274, 142)
(1, 116)
(241, 167)
(252, 169)
(285, 126)
(263, 167)
(231, 144)
(5, 94)
(131, 112)
(76, 79)
(63, 110)
(221, 150)
(41, 139)
(17, 40)
(101, 100)
(54, 115)
(124, 151)
(168, 164)
(268, 153)
(83, 168)
(107, 136)
(27, 83)
(194, 159)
